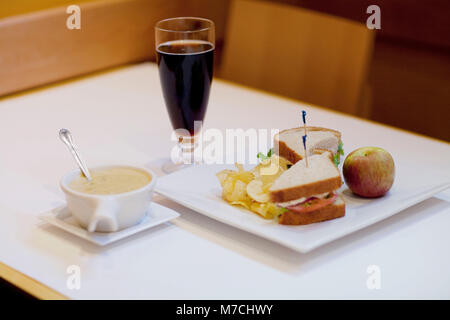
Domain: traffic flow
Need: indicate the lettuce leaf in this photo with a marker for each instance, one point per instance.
(339, 153)
(261, 156)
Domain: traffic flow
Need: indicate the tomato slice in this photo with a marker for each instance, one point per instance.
(313, 204)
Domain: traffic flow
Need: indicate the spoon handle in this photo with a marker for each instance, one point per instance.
(80, 163)
(66, 137)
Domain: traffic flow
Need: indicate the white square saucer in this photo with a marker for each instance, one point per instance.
(62, 218)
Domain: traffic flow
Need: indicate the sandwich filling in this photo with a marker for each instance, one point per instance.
(312, 203)
(301, 200)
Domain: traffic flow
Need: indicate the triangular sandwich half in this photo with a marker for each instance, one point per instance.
(308, 194)
(288, 143)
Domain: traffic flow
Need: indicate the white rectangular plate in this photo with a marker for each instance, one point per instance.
(62, 218)
(198, 189)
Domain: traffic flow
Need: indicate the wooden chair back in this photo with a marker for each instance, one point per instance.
(298, 53)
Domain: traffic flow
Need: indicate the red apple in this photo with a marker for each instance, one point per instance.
(369, 171)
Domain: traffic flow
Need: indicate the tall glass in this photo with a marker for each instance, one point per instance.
(185, 56)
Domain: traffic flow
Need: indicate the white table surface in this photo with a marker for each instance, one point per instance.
(120, 116)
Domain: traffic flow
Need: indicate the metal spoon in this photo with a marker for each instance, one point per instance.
(66, 137)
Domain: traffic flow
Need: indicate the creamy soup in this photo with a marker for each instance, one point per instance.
(111, 181)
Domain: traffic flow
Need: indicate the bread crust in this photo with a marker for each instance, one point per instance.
(332, 211)
(284, 151)
(307, 190)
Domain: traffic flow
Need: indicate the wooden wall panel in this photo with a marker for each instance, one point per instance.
(415, 20)
(411, 88)
(17, 7)
(38, 48)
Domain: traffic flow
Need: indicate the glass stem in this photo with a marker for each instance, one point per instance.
(187, 145)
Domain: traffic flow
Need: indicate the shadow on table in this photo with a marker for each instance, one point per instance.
(285, 259)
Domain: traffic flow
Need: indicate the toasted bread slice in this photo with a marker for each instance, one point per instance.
(288, 143)
(332, 211)
(299, 181)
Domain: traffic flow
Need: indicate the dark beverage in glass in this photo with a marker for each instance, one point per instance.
(186, 70)
(185, 55)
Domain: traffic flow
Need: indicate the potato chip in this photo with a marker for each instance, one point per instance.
(256, 191)
(239, 166)
(222, 176)
(245, 204)
(239, 193)
(250, 189)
